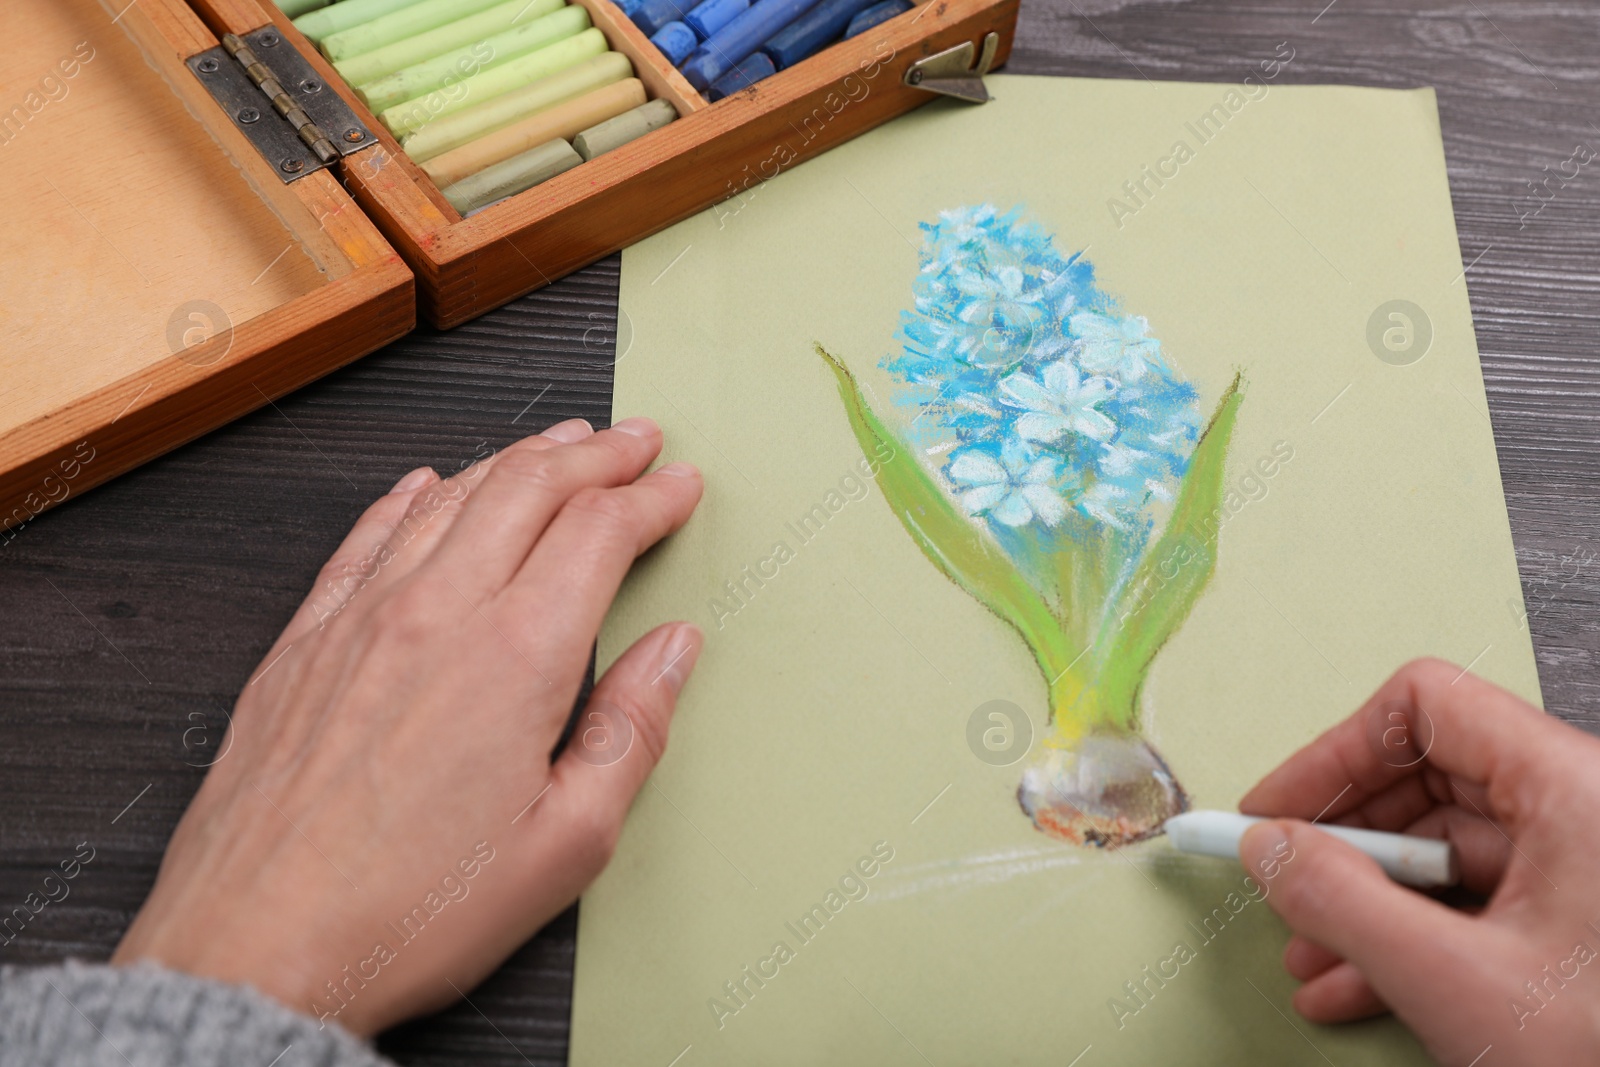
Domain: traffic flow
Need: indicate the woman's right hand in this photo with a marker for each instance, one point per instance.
(1441, 753)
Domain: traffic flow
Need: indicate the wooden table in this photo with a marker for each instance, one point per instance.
(134, 615)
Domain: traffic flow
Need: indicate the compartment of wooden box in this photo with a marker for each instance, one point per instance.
(466, 266)
(159, 279)
(163, 278)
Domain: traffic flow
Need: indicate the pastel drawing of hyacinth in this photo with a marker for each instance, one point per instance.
(1051, 464)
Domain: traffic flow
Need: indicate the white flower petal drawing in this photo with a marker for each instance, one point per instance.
(1115, 347)
(983, 498)
(1046, 503)
(1014, 510)
(1117, 459)
(977, 468)
(1062, 402)
(1035, 426)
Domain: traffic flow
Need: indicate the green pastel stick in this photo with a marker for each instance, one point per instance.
(341, 16)
(414, 114)
(512, 176)
(453, 131)
(295, 8)
(397, 26)
(470, 61)
(381, 62)
(628, 126)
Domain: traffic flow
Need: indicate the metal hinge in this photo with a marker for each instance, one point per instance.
(951, 73)
(280, 102)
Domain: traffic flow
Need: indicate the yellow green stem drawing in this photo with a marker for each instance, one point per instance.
(1049, 441)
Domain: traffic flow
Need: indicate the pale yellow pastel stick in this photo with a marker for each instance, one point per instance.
(381, 62)
(565, 120)
(398, 25)
(453, 131)
(512, 176)
(444, 71)
(415, 114)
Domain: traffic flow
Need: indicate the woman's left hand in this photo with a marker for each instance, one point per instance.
(386, 824)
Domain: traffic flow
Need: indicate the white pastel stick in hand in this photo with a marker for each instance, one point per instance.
(1417, 861)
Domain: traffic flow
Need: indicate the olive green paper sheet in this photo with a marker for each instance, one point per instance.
(829, 713)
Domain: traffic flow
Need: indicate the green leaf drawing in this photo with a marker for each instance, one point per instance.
(964, 553)
(1170, 576)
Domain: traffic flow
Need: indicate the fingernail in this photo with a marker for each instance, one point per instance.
(1264, 848)
(570, 432)
(638, 426)
(415, 480)
(680, 470)
(678, 657)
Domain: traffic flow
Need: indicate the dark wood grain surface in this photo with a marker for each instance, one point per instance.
(133, 616)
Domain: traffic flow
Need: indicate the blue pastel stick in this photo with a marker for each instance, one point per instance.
(628, 6)
(743, 35)
(877, 13)
(676, 41)
(651, 15)
(742, 75)
(820, 26)
(712, 15)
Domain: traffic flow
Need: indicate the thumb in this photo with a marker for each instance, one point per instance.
(617, 741)
(1333, 894)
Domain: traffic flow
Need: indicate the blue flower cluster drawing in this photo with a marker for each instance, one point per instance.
(1048, 412)
(1049, 462)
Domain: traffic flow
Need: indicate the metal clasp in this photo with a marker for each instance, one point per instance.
(951, 73)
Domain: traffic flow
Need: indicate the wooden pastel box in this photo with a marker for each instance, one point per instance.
(182, 251)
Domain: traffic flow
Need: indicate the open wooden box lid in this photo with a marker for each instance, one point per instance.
(159, 279)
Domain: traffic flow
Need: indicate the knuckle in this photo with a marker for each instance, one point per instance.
(1428, 671)
(1298, 888)
(1314, 869)
(368, 544)
(347, 574)
(594, 833)
(339, 571)
(621, 447)
(647, 721)
(532, 470)
(384, 512)
(608, 512)
(441, 500)
(408, 617)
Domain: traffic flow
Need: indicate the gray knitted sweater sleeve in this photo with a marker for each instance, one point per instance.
(90, 1015)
